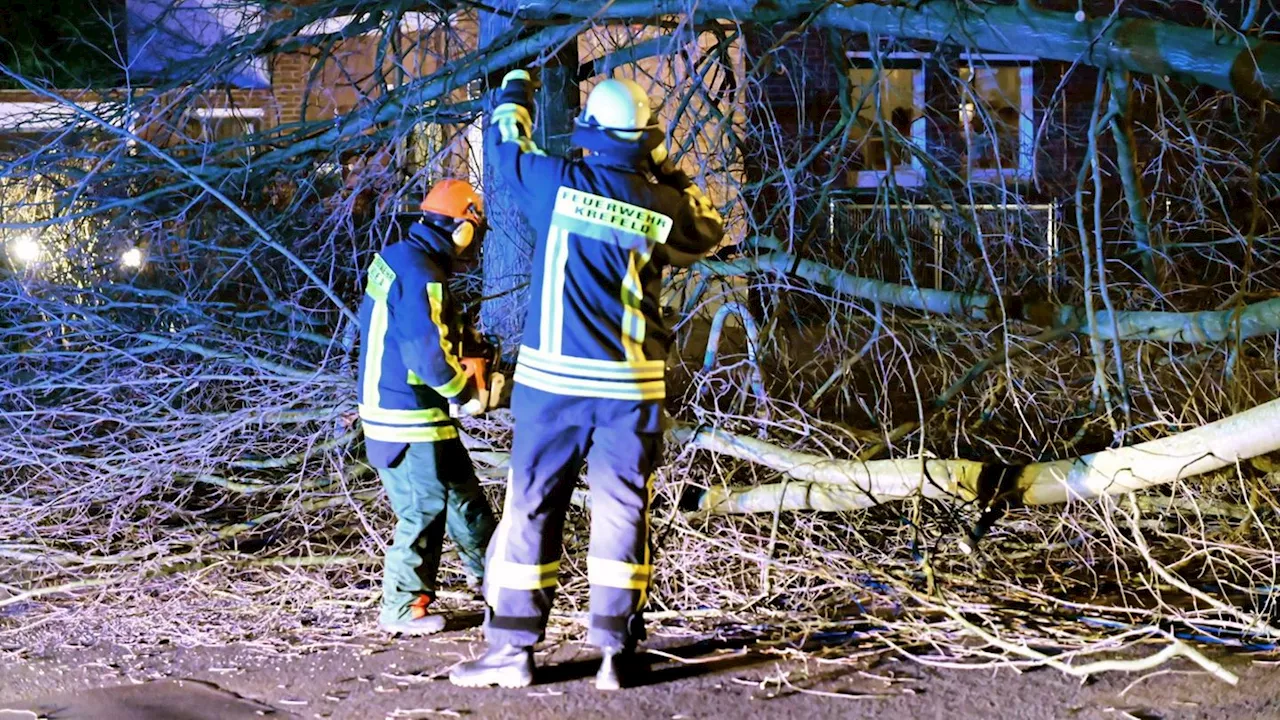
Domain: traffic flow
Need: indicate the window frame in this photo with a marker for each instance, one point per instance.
(912, 174)
(250, 117)
(413, 21)
(31, 117)
(1026, 167)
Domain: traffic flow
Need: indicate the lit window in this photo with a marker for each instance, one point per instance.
(422, 148)
(996, 118)
(26, 127)
(42, 159)
(890, 140)
(431, 152)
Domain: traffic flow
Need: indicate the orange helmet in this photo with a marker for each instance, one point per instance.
(455, 199)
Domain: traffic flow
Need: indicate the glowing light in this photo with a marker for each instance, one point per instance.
(25, 249)
(131, 258)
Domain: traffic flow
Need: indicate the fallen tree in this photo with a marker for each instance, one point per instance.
(1240, 64)
(1189, 328)
(817, 483)
(176, 443)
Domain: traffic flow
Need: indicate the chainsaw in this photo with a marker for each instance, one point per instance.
(479, 362)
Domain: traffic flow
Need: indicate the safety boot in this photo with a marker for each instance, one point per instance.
(417, 621)
(617, 669)
(506, 666)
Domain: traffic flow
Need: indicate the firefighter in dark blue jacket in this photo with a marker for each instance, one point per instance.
(589, 380)
(410, 375)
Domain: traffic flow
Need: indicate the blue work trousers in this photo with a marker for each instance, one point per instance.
(524, 557)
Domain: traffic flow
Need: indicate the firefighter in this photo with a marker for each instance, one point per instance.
(411, 376)
(589, 381)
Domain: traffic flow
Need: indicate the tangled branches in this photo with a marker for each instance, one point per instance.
(949, 274)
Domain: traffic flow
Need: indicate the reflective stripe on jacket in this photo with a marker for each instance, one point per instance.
(409, 342)
(595, 342)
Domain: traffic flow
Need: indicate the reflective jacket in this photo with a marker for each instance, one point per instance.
(595, 342)
(409, 346)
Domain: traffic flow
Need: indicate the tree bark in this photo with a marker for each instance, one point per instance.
(508, 250)
(1120, 108)
(1245, 66)
(819, 483)
(1187, 328)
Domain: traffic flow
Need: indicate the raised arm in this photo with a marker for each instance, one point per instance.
(697, 226)
(510, 139)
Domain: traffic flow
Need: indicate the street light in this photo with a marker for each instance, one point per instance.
(25, 249)
(132, 258)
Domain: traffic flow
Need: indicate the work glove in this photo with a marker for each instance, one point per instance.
(470, 403)
(659, 155)
(514, 112)
(474, 407)
(666, 170)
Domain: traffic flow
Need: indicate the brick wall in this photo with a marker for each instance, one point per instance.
(798, 99)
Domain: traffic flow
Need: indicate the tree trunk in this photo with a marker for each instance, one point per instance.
(819, 483)
(1247, 67)
(508, 250)
(1184, 328)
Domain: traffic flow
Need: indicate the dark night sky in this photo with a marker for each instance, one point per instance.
(67, 43)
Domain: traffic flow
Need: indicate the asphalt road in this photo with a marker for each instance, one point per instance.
(695, 678)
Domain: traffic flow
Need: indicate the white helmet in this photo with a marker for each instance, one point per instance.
(619, 106)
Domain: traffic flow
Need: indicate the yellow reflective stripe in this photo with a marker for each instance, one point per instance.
(633, 323)
(414, 379)
(586, 212)
(435, 296)
(518, 576)
(560, 385)
(380, 279)
(648, 549)
(373, 355)
(453, 387)
(499, 545)
(388, 416)
(508, 112)
(554, 262)
(591, 367)
(515, 125)
(431, 433)
(618, 574)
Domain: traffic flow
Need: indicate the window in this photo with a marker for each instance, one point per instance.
(422, 149)
(432, 152)
(25, 126)
(30, 127)
(29, 116)
(889, 126)
(222, 125)
(996, 118)
(32, 191)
